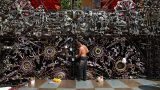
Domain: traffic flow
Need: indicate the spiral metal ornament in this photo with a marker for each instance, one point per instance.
(27, 66)
(97, 51)
(60, 73)
(50, 52)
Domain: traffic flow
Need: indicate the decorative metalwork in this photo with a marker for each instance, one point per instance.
(44, 42)
(49, 52)
(27, 66)
(120, 66)
(97, 51)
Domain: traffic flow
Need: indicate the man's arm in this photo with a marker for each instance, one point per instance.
(86, 49)
(80, 52)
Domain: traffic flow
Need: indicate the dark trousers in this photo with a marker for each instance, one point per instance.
(83, 68)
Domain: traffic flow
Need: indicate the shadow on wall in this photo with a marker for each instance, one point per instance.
(150, 87)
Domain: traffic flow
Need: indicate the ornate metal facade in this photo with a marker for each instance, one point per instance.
(37, 43)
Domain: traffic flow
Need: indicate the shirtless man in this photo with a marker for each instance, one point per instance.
(82, 55)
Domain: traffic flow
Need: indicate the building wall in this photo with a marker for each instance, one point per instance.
(87, 4)
(91, 4)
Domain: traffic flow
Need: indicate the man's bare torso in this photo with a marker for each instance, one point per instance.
(83, 50)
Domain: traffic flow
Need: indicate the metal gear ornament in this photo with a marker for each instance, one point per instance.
(27, 65)
(61, 73)
(120, 66)
(97, 51)
(50, 52)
